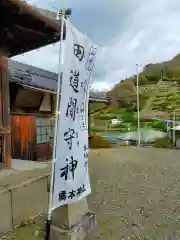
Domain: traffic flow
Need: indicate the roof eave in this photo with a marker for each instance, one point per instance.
(36, 14)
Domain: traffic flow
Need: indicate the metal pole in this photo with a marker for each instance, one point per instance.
(174, 131)
(48, 223)
(138, 110)
(167, 126)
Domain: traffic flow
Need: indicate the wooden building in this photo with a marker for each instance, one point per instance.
(32, 105)
(22, 29)
(27, 94)
(32, 101)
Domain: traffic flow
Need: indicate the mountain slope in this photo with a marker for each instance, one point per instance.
(159, 87)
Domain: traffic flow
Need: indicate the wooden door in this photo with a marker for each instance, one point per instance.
(23, 136)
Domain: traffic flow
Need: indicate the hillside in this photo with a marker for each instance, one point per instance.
(159, 89)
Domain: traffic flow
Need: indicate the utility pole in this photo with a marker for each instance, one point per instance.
(138, 107)
(174, 130)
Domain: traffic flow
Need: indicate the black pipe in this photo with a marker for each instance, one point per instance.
(47, 230)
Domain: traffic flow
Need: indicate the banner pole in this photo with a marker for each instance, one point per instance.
(60, 75)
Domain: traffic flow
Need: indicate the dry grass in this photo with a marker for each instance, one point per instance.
(97, 141)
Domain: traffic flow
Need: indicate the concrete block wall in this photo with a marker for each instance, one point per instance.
(5, 211)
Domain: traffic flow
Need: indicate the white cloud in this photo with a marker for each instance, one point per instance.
(101, 86)
(129, 32)
(153, 36)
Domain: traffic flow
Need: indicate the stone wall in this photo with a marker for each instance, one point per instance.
(160, 86)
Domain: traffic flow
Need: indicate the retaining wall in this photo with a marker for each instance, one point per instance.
(22, 199)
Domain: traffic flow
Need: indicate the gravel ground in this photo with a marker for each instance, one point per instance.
(135, 194)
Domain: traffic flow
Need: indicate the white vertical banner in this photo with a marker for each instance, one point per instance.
(70, 177)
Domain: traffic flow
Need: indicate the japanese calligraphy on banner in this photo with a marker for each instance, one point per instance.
(71, 178)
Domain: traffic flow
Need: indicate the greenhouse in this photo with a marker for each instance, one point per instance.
(146, 136)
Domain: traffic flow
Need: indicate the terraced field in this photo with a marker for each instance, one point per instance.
(167, 101)
(163, 100)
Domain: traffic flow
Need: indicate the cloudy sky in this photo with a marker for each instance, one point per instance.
(127, 31)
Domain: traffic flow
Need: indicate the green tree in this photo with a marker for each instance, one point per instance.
(152, 79)
(143, 80)
(128, 117)
(158, 125)
(165, 79)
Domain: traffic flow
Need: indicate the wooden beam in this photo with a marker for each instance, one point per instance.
(21, 29)
(5, 109)
(33, 13)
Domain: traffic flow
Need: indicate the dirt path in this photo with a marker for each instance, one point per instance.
(136, 194)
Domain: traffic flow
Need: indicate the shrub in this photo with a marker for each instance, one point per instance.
(114, 125)
(128, 118)
(105, 117)
(97, 129)
(130, 110)
(158, 125)
(145, 120)
(120, 130)
(165, 79)
(97, 141)
(164, 142)
(119, 125)
(93, 129)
